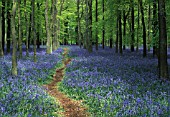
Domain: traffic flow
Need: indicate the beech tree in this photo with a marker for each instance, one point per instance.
(163, 64)
(14, 40)
(1, 49)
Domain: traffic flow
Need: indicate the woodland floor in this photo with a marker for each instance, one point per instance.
(72, 108)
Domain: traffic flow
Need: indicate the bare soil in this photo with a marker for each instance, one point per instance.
(72, 108)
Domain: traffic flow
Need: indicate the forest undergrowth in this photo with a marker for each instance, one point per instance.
(109, 84)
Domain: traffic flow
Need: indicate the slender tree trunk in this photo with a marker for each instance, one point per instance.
(96, 25)
(55, 39)
(29, 35)
(155, 30)
(3, 24)
(137, 43)
(90, 26)
(117, 34)
(27, 28)
(14, 40)
(120, 33)
(78, 22)
(163, 68)
(19, 30)
(124, 30)
(144, 29)
(9, 26)
(149, 24)
(1, 49)
(103, 30)
(33, 29)
(49, 46)
(38, 27)
(61, 8)
(133, 27)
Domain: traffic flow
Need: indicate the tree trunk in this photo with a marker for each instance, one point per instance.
(124, 30)
(117, 34)
(14, 40)
(38, 27)
(1, 49)
(27, 28)
(9, 26)
(78, 22)
(90, 26)
(144, 29)
(132, 27)
(149, 24)
(49, 44)
(19, 30)
(155, 30)
(120, 33)
(137, 43)
(96, 25)
(163, 66)
(33, 29)
(55, 36)
(3, 24)
(103, 30)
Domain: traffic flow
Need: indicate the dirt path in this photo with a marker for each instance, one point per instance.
(71, 107)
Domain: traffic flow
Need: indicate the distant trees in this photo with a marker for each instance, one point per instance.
(123, 24)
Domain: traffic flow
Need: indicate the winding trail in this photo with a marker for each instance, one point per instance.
(71, 107)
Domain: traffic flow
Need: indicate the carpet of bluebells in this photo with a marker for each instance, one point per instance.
(23, 95)
(114, 85)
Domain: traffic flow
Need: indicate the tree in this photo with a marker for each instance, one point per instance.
(155, 29)
(3, 24)
(1, 49)
(19, 30)
(49, 44)
(14, 40)
(144, 29)
(8, 26)
(96, 25)
(132, 26)
(120, 32)
(27, 27)
(163, 64)
(103, 29)
(33, 27)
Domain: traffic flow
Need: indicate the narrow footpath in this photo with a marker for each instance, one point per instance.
(71, 107)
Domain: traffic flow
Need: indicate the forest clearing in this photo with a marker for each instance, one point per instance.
(84, 58)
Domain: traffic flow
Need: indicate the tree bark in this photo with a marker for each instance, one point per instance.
(103, 30)
(117, 34)
(96, 25)
(9, 26)
(144, 29)
(149, 24)
(120, 33)
(27, 28)
(14, 40)
(155, 30)
(163, 66)
(137, 42)
(33, 29)
(49, 44)
(1, 49)
(90, 26)
(132, 27)
(19, 30)
(3, 24)
(54, 21)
